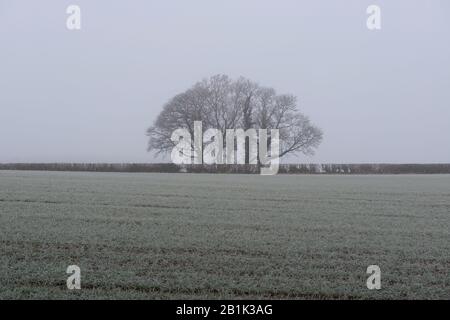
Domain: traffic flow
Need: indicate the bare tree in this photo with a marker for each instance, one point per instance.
(222, 103)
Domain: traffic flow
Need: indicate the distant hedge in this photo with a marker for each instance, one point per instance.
(97, 167)
(284, 168)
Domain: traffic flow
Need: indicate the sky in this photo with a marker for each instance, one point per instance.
(89, 95)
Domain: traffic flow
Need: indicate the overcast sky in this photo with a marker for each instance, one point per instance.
(89, 95)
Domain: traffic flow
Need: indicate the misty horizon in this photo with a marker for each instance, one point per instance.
(90, 95)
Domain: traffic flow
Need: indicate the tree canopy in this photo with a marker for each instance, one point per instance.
(222, 103)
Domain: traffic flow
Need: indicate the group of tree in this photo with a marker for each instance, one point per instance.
(223, 103)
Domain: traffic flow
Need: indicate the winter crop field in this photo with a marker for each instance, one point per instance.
(154, 236)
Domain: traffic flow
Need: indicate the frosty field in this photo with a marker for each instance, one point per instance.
(155, 236)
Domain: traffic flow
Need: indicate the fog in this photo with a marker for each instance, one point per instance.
(89, 95)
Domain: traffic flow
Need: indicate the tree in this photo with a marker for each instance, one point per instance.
(222, 103)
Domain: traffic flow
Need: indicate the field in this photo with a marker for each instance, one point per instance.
(167, 236)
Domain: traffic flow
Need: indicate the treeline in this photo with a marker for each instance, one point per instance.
(284, 168)
(96, 167)
(366, 168)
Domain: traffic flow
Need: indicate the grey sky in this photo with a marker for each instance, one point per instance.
(89, 95)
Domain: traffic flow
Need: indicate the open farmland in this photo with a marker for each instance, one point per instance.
(151, 236)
